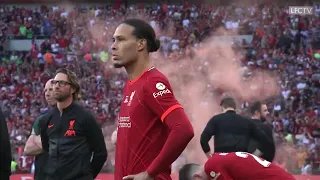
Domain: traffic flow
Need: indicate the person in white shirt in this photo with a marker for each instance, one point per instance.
(307, 168)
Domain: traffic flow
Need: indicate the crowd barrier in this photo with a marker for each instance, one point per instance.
(110, 177)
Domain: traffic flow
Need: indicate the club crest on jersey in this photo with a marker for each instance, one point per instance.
(126, 100)
(214, 175)
(71, 131)
(162, 90)
(131, 97)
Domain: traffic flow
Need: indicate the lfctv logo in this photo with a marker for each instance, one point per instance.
(301, 10)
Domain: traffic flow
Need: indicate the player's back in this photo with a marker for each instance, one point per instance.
(243, 166)
(141, 132)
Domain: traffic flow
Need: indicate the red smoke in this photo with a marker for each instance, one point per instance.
(215, 65)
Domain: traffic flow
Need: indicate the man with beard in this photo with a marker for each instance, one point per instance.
(259, 111)
(71, 135)
(5, 149)
(33, 145)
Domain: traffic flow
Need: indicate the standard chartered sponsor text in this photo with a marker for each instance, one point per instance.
(124, 122)
(161, 93)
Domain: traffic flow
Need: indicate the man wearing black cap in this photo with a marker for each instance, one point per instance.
(232, 132)
(5, 150)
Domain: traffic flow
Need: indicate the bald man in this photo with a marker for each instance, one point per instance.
(33, 145)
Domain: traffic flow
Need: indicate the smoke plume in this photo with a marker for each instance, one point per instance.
(198, 82)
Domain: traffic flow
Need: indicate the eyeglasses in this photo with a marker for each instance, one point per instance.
(60, 83)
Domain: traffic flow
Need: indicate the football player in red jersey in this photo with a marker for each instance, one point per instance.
(235, 166)
(153, 128)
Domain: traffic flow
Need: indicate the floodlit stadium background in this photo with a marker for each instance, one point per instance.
(247, 49)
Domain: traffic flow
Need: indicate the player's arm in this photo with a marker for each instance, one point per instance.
(170, 112)
(97, 144)
(33, 145)
(205, 137)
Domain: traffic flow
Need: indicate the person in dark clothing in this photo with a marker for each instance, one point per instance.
(33, 145)
(71, 135)
(259, 111)
(5, 150)
(232, 132)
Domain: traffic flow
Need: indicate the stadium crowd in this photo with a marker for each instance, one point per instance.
(79, 38)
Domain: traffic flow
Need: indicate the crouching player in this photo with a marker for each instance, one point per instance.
(234, 166)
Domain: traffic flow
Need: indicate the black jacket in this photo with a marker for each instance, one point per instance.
(40, 159)
(269, 152)
(39, 163)
(5, 150)
(232, 133)
(71, 139)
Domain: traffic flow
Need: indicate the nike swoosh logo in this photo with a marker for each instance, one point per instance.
(50, 126)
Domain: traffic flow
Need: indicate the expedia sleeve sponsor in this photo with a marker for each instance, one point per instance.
(159, 96)
(161, 93)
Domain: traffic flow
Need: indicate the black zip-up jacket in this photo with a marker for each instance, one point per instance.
(232, 133)
(5, 150)
(267, 153)
(40, 159)
(71, 138)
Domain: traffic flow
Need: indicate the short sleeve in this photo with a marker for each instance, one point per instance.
(159, 97)
(214, 171)
(36, 126)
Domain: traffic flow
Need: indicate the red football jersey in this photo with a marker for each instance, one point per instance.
(243, 166)
(141, 132)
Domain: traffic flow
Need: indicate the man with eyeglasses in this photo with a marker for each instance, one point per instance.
(71, 136)
(33, 145)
